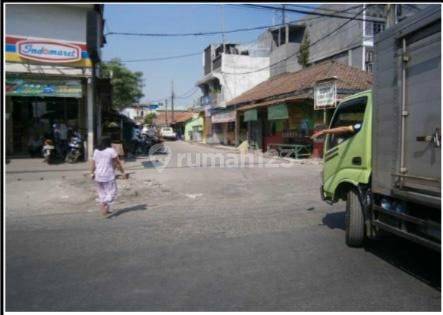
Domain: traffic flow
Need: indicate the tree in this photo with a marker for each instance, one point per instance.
(126, 85)
(303, 52)
(149, 118)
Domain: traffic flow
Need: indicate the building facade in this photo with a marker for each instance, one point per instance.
(222, 82)
(352, 43)
(52, 53)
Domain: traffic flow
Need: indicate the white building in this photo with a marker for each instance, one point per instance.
(230, 70)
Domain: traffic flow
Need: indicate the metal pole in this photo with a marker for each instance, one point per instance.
(166, 112)
(223, 26)
(404, 113)
(172, 101)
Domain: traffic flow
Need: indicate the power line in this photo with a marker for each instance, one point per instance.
(163, 58)
(185, 95)
(246, 29)
(302, 19)
(325, 9)
(312, 44)
(309, 12)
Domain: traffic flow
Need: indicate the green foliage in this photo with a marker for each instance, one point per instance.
(149, 118)
(303, 53)
(126, 85)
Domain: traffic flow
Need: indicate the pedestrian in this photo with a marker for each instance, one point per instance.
(63, 132)
(136, 139)
(104, 162)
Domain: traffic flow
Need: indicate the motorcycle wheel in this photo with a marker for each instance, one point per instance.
(70, 158)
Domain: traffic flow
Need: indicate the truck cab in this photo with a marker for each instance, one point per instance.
(347, 158)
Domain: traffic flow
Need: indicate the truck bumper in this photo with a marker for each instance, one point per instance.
(323, 196)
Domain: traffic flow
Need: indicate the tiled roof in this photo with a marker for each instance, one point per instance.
(347, 78)
(179, 116)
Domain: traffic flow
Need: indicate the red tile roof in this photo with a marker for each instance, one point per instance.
(179, 116)
(347, 78)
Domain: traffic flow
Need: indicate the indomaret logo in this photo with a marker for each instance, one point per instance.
(48, 51)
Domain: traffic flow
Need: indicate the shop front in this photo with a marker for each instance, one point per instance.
(48, 83)
(290, 122)
(34, 105)
(223, 124)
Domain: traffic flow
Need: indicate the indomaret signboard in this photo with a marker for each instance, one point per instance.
(325, 94)
(48, 51)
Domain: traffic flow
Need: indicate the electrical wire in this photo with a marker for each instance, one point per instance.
(309, 12)
(184, 96)
(240, 29)
(163, 58)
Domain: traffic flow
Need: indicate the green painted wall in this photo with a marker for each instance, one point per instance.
(189, 127)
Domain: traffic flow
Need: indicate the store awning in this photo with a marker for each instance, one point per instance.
(279, 111)
(251, 115)
(224, 117)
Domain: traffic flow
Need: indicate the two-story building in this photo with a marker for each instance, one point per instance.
(52, 53)
(221, 82)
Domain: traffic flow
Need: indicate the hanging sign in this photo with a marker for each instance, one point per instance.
(48, 51)
(325, 95)
(223, 117)
(251, 115)
(277, 112)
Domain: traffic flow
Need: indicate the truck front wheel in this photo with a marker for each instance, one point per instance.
(355, 224)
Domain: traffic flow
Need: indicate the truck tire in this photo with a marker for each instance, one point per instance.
(354, 220)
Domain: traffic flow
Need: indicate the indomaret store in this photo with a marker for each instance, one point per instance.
(47, 81)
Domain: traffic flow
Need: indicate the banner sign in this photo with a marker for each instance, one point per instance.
(29, 87)
(325, 95)
(250, 115)
(223, 117)
(279, 111)
(47, 51)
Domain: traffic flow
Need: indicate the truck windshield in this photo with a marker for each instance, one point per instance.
(348, 113)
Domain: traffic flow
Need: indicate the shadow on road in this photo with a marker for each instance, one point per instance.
(335, 220)
(418, 261)
(119, 212)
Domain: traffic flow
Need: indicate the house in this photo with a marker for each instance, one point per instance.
(285, 108)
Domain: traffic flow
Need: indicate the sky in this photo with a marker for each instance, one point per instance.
(177, 18)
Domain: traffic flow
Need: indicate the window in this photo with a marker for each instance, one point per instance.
(231, 126)
(373, 28)
(347, 114)
(369, 60)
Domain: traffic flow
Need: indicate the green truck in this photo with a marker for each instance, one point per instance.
(389, 169)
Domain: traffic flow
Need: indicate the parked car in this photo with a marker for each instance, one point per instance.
(168, 133)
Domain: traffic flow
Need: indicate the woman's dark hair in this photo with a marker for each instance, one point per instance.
(105, 142)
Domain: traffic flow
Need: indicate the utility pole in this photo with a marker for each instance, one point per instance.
(223, 26)
(166, 112)
(391, 15)
(283, 14)
(172, 101)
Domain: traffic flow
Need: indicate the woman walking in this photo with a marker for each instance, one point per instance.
(104, 162)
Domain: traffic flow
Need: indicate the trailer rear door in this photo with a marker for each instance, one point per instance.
(422, 123)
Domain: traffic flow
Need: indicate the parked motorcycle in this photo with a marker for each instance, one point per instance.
(48, 151)
(75, 150)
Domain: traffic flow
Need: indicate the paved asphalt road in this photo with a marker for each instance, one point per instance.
(213, 239)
